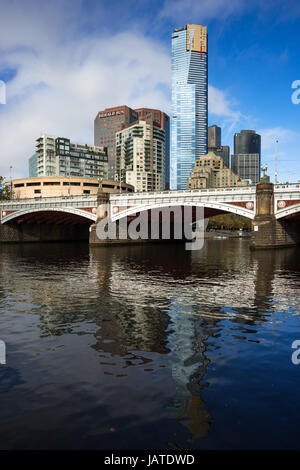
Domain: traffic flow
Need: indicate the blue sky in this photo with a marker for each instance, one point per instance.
(64, 60)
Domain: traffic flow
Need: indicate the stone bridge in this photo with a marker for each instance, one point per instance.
(240, 201)
(274, 210)
(47, 219)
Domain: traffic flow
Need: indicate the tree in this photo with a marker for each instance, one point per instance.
(229, 222)
(5, 189)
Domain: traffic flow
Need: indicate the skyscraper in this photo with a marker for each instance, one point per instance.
(141, 154)
(247, 141)
(214, 144)
(189, 101)
(163, 121)
(246, 160)
(214, 136)
(111, 120)
(106, 124)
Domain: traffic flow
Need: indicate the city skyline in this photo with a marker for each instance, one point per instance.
(134, 68)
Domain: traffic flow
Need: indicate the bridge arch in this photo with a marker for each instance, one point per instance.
(221, 207)
(289, 210)
(80, 213)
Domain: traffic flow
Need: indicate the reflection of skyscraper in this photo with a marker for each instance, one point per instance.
(189, 101)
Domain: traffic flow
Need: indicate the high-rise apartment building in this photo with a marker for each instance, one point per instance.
(214, 136)
(107, 123)
(189, 101)
(141, 155)
(163, 121)
(58, 156)
(112, 120)
(246, 160)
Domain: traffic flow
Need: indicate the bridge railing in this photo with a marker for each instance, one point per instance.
(186, 191)
(48, 200)
(278, 187)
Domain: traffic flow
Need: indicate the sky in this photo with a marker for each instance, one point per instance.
(63, 61)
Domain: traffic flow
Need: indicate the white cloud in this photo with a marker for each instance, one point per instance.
(62, 82)
(64, 78)
(220, 105)
(269, 136)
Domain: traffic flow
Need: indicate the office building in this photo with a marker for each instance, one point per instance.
(246, 142)
(246, 160)
(215, 146)
(214, 136)
(247, 166)
(141, 154)
(189, 101)
(106, 124)
(58, 156)
(210, 172)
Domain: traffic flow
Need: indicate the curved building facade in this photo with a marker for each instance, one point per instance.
(246, 142)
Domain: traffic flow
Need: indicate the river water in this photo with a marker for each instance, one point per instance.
(149, 347)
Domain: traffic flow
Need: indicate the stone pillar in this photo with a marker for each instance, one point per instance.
(268, 232)
(102, 212)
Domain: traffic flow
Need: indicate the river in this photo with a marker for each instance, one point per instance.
(149, 347)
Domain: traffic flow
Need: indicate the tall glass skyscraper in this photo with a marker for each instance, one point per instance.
(189, 101)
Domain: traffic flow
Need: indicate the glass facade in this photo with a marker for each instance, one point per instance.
(189, 102)
(32, 163)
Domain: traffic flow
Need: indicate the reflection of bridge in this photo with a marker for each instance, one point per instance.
(281, 202)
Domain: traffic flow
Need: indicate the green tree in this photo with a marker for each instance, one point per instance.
(5, 189)
(229, 222)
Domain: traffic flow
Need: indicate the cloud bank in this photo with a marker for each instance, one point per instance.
(61, 74)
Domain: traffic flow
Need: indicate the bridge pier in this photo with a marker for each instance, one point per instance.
(270, 232)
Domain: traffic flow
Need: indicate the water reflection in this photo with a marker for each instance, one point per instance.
(153, 307)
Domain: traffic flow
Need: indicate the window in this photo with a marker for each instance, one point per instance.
(33, 184)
